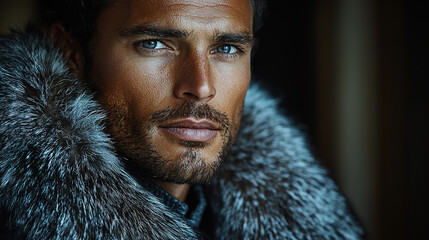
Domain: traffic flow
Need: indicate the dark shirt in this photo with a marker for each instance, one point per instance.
(192, 210)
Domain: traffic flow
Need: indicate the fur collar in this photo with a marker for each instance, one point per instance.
(60, 178)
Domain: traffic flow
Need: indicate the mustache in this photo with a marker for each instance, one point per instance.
(191, 109)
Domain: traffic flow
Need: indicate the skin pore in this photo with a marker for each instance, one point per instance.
(172, 75)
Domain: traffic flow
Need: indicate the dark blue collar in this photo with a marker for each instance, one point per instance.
(192, 210)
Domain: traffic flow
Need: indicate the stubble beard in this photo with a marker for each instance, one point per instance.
(189, 167)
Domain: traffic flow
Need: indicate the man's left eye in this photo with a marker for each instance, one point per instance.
(226, 49)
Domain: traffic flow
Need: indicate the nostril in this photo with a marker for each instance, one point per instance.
(190, 95)
(197, 94)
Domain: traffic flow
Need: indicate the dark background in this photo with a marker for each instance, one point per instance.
(296, 60)
(353, 75)
(285, 59)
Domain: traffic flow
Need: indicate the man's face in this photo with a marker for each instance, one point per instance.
(172, 75)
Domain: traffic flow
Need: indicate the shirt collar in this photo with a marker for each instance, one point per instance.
(192, 210)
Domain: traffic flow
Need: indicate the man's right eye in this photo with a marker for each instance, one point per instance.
(151, 47)
(151, 44)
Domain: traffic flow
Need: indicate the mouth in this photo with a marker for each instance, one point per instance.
(191, 130)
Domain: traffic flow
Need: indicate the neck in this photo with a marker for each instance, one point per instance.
(179, 191)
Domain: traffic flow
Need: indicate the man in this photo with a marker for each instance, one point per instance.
(115, 125)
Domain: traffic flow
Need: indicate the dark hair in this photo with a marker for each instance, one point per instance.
(79, 16)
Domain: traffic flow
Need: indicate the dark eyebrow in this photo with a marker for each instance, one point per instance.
(145, 29)
(245, 38)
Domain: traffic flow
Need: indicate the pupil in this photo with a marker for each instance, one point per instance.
(151, 44)
(224, 49)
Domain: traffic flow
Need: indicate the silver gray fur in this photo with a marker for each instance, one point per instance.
(61, 179)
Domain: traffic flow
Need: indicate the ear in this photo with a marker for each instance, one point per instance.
(72, 50)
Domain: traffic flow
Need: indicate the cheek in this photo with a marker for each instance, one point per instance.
(232, 85)
(129, 81)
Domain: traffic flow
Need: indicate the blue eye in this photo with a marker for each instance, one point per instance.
(226, 49)
(151, 44)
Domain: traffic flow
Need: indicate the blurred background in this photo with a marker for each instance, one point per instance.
(353, 75)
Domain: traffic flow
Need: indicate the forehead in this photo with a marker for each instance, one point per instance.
(230, 14)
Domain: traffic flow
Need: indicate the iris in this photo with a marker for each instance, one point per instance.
(150, 44)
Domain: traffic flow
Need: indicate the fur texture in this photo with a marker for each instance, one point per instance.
(60, 177)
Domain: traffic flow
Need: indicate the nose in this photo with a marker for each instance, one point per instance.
(194, 81)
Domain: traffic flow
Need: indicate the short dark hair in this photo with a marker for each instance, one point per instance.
(79, 16)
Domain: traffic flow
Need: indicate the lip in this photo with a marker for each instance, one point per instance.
(191, 130)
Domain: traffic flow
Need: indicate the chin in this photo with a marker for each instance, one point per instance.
(186, 162)
(189, 167)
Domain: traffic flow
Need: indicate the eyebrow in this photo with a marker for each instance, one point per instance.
(156, 31)
(245, 37)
